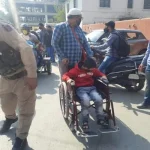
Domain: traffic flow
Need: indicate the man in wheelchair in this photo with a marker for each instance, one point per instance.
(82, 75)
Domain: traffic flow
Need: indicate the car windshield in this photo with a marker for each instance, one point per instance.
(94, 36)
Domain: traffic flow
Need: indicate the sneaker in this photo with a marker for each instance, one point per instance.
(143, 107)
(103, 122)
(20, 144)
(85, 125)
(7, 124)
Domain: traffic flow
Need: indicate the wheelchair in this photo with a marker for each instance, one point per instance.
(44, 63)
(43, 60)
(70, 103)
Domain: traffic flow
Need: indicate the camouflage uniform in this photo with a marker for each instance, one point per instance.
(13, 88)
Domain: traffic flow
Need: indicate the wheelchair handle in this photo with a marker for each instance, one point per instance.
(72, 83)
(105, 81)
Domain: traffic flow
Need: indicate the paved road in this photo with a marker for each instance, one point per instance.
(50, 132)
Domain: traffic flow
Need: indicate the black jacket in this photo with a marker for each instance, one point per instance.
(48, 38)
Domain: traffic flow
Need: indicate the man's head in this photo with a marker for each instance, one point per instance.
(41, 26)
(109, 26)
(25, 29)
(89, 64)
(74, 17)
(49, 28)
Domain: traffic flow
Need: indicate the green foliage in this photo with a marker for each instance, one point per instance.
(60, 16)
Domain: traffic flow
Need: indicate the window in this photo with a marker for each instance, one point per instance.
(75, 3)
(131, 36)
(68, 7)
(104, 3)
(146, 4)
(130, 3)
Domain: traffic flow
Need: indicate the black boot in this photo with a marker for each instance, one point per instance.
(143, 107)
(7, 124)
(19, 144)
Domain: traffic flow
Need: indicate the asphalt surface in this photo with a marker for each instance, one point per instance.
(50, 132)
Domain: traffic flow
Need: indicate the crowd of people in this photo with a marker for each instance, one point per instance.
(76, 64)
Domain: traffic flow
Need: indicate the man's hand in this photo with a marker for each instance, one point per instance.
(92, 47)
(104, 78)
(141, 67)
(65, 61)
(70, 81)
(31, 83)
(94, 58)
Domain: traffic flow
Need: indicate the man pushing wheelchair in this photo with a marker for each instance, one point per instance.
(70, 44)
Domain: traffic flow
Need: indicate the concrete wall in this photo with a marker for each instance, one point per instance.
(138, 24)
(93, 13)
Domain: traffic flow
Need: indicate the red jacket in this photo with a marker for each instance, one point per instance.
(81, 77)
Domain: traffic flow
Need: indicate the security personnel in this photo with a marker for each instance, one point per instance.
(18, 82)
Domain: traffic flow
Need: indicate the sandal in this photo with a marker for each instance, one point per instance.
(85, 125)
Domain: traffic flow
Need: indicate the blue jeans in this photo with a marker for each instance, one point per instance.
(86, 94)
(147, 90)
(106, 63)
(50, 52)
(36, 56)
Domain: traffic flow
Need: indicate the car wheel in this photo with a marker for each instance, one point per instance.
(136, 87)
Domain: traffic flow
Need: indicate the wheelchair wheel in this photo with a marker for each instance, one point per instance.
(64, 101)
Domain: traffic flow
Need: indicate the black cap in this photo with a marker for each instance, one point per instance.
(48, 26)
(41, 24)
(89, 63)
(110, 24)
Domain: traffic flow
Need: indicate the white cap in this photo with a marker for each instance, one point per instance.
(74, 12)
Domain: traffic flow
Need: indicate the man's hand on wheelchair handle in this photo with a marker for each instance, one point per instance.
(104, 78)
(70, 81)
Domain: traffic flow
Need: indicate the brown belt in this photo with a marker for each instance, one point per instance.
(17, 76)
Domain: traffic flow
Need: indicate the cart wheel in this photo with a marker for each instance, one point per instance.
(64, 101)
(49, 68)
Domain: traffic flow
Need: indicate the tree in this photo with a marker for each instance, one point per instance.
(60, 16)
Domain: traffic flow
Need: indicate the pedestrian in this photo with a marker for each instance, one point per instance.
(27, 35)
(18, 82)
(33, 40)
(69, 41)
(48, 38)
(42, 33)
(111, 45)
(30, 38)
(146, 62)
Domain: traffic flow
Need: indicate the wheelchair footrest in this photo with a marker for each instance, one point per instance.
(86, 134)
(108, 130)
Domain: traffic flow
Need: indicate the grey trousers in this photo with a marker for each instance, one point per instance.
(64, 68)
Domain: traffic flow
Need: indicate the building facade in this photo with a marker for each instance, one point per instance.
(3, 4)
(35, 11)
(97, 11)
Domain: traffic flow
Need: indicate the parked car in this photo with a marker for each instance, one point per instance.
(85, 33)
(137, 41)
